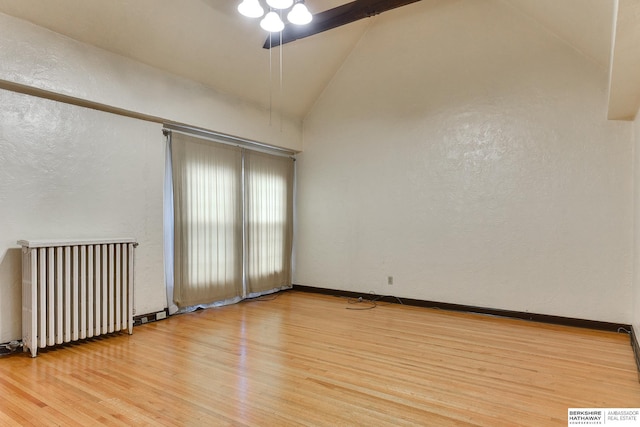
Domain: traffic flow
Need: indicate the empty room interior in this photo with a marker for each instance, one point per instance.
(400, 213)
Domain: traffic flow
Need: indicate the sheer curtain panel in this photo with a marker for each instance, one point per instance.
(168, 224)
(207, 192)
(268, 221)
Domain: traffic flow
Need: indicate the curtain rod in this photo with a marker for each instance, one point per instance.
(228, 139)
(79, 102)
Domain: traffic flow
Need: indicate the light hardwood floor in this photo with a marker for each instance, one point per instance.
(305, 359)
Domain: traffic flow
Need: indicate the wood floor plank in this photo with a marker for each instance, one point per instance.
(311, 360)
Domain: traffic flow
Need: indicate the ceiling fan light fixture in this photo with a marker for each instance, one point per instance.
(299, 15)
(280, 4)
(251, 9)
(272, 22)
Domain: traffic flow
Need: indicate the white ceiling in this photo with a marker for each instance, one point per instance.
(203, 40)
(209, 42)
(584, 24)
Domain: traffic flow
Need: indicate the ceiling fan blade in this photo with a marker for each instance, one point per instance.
(336, 17)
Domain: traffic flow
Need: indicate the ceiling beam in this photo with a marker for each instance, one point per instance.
(334, 18)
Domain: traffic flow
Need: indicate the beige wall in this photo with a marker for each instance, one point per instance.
(482, 171)
(636, 258)
(39, 58)
(72, 172)
(474, 163)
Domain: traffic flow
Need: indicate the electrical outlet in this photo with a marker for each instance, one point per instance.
(389, 280)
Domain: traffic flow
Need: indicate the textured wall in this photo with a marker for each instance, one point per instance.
(474, 163)
(70, 172)
(636, 223)
(33, 56)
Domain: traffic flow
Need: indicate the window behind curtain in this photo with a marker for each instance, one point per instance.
(268, 221)
(207, 221)
(213, 205)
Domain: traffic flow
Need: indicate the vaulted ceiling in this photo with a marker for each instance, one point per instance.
(209, 42)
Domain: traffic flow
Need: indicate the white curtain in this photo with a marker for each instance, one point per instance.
(268, 221)
(232, 228)
(168, 225)
(207, 193)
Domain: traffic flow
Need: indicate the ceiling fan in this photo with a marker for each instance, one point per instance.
(336, 17)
